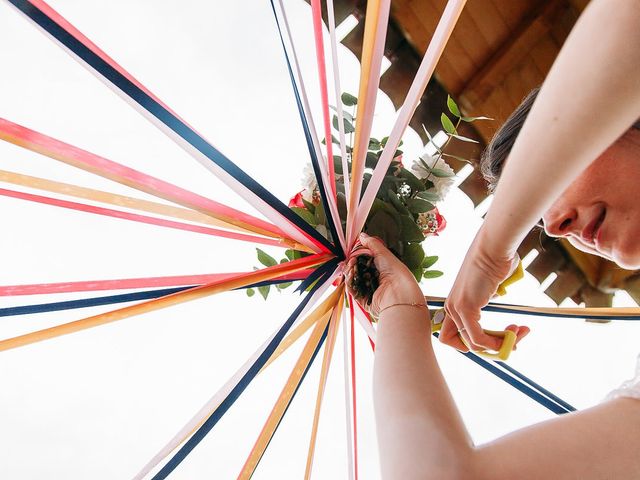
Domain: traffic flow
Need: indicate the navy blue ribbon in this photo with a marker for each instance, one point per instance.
(503, 308)
(307, 136)
(166, 117)
(224, 406)
(112, 299)
(530, 391)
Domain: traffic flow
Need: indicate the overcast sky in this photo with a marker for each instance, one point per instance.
(98, 404)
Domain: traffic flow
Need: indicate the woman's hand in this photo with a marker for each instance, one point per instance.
(477, 281)
(396, 282)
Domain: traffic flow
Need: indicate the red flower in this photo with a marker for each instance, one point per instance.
(296, 200)
(442, 222)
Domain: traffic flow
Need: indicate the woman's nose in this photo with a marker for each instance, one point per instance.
(558, 224)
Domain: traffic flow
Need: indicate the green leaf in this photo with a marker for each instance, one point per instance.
(418, 274)
(384, 141)
(429, 196)
(342, 205)
(453, 107)
(447, 125)
(348, 126)
(429, 261)
(473, 119)
(371, 161)
(411, 180)
(413, 256)
(264, 291)
(290, 254)
(306, 215)
(250, 292)
(383, 225)
(464, 139)
(440, 173)
(266, 259)
(348, 99)
(309, 206)
(282, 286)
(319, 215)
(417, 205)
(432, 273)
(374, 144)
(456, 157)
(395, 201)
(410, 231)
(345, 114)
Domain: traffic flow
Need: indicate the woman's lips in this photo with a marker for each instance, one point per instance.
(591, 233)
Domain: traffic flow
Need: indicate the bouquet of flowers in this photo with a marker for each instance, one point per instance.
(404, 212)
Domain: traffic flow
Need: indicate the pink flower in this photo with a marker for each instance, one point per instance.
(296, 201)
(431, 222)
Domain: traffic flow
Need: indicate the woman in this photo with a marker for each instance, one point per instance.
(420, 432)
(583, 112)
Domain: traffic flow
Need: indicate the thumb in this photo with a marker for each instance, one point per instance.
(375, 245)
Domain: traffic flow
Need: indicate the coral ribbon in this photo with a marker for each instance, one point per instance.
(428, 65)
(219, 286)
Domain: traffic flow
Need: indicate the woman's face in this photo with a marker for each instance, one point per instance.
(600, 211)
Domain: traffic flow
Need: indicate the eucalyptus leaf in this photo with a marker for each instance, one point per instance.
(374, 144)
(348, 126)
(453, 107)
(447, 125)
(290, 253)
(342, 205)
(417, 205)
(250, 292)
(282, 286)
(264, 291)
(266, 259)
(440, 173)
(473, 119)
(456, 157)
(429, 196)
(464, 139)
(306, 215)
(345, 114)
(428, 261)
(348, 99)
(432, 273)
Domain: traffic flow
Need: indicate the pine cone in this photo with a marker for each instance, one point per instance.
(365, 279)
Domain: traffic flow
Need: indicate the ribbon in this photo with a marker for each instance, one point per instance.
(92, 163)
(286, 395)
(233, 395)
(326, 363)
(427, 66)
(347, 394)
(163, 302)
(354, 403)
(214, 402)
(376, 20)
(327, 194)
(185, 136)
(135, 217)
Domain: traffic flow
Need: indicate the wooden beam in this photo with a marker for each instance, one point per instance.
(529, 32)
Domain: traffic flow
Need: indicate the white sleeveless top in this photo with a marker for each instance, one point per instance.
(630, 388)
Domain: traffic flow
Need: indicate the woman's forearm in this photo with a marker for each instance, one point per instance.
(589, 99)
(420, 432)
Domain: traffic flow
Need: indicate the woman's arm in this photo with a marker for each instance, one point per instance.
(589, 99)
(421, 434)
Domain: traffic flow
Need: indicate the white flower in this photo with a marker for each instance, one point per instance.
(441, 185)
(309, 183)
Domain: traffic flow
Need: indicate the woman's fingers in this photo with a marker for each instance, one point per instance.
(449, 335)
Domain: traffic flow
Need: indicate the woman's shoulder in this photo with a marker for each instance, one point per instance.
(630, 388)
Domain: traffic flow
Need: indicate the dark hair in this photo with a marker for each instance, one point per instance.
(498, 149)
